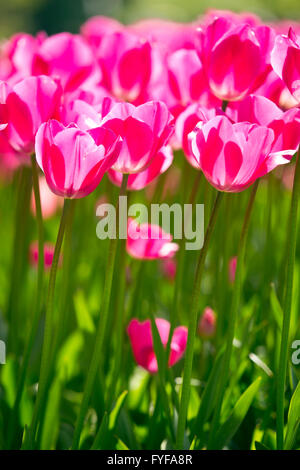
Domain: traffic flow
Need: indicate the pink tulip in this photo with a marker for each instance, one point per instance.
(29, 103)
(237, 18)
(95, 28)
(285, 60)
(160, 163)
(235, 57)
(144, 130)
(187, 80)
(283, 27)
(91, 93)
(232, 269)
(207, 323)
(140, 335)
(67, 57)
(186, 123)
(86, 116)
(149, 242)
(125, 62)
(261, 111)
(48, 255)
(275, 90)
(168, 268)
(17, 56)
(233, 156)
(74, 161)
(169, 36)
(8, 156)
(50, 202)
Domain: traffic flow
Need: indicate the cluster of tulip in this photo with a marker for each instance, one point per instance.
(118, 101)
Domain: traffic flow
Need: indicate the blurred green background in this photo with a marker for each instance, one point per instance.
(57, 15)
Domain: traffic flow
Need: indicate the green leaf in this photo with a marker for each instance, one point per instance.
(276, 307)
(231, 425)
(261, 446)
(293, 419)
(51, 422)
(84, 319)
(209, 395)
(101, 434)
(108, 424)
(114, 414)
(120, 445)
(69, 355)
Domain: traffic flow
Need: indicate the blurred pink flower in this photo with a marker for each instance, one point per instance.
(285, 60)
(140, 335)
(169, 36)
(232, 268)
(168, 268)
(245, 17)
(207, 323)
(95, 28)
(17, 56)
(67, 57)
(148, 242)
(29, 103)
(125, 62)
(48, 255)
(50, 202)
(187, 80)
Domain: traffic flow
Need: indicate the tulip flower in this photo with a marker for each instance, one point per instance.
(169, 36)
(186, 123)
(144, 130)
(243, 17)
(285, 125)
(17, 56)
(125, 62)
(137, 181)
(86, 116)
(233, 155)
(285, 59)
(235, 57)
(187, 80)
(207, 323)
(140, 335)
(67, 57)
(29, 103)
(48, 255)
(94, 29)
(74, 161)
(148, 242)
(232, 269)
(168, 268)
(275, 90)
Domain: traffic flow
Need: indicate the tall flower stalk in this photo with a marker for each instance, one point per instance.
(37, 304)
(287, 305)
(192, 327)
(100, 333)
(48, 330)
(236, 299)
